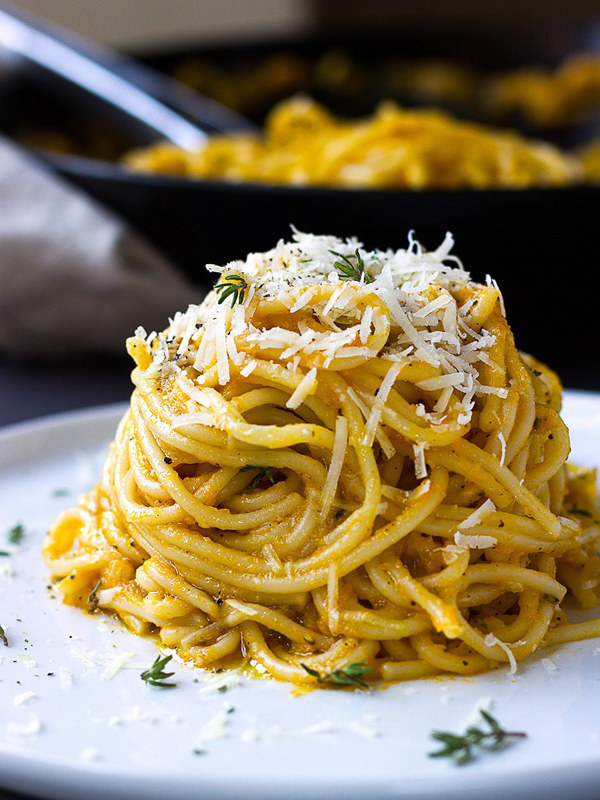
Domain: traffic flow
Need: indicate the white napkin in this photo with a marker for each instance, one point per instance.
(74, 279)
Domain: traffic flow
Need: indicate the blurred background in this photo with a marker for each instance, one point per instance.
(155, 24)
(249, 55)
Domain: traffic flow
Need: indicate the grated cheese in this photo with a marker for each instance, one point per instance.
(491, 640)
(474, 542)
(377, 408)
(326, 726)
(502, 441)
(338, 454)
(23, 697)
(30, 728)
(484, 510)
(306, 386)
(420, 465)
(416, 288)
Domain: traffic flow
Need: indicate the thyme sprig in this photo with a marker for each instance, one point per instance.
(93, 598)
(3, 638)
(263, 472)
(462, 748)
(234, 286)
(156, 675)
(348, 675)
(350, 271)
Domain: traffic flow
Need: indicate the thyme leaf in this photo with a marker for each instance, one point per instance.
(348, 675)
(93, 598)
(348, 270)
(3, 638)
(156, 675)
(462, 749)
(16, 533)
(263, 472)
(233, 286)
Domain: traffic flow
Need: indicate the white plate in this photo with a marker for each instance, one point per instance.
(121, 738)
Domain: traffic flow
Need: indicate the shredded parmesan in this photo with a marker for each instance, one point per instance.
(378, 405)
(491, 640)
(420, 465)
(478, 515)
(416, 287)
(473, 541)
(306, 386)
(338, 454)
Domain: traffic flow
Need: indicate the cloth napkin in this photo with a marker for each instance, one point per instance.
(74, 279)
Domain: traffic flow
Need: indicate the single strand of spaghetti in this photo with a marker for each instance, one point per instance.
(572, 632)
(437, 655)
(479, 594)
(134, 603)
(366, 624)
(277, 621)
(406, 670)
(556, 450)
(512, 576)
(335, 465)
(211, 653)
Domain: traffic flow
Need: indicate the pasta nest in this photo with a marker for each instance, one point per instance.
(320, 469)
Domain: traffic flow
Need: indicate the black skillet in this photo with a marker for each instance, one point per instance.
(541, 245)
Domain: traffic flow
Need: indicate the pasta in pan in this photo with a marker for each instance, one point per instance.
(338, 458)
(396, 148)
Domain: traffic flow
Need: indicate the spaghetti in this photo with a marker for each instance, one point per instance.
(338, 458)
(305, 145)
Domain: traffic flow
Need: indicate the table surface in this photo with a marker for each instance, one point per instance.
(34, 390)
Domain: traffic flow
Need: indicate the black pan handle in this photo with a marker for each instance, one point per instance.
(175, 113)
